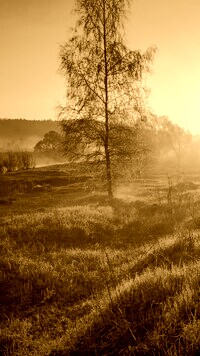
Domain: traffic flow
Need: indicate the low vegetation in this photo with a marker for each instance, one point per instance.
(80, 276)
(13, 161)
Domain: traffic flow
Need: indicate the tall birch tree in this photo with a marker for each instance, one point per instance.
(104, 93)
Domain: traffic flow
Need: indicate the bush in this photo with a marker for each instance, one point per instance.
(13, 161)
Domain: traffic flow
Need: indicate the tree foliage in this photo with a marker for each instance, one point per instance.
(52, 142)
(168, 141)
(105, 97)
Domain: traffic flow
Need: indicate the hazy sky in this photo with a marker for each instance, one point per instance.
(31, 31)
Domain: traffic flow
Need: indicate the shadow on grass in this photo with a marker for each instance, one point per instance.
(128, 318)
(178, 254)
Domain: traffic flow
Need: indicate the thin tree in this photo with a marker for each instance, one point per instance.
(103, 86)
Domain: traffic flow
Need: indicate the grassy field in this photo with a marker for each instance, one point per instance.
(80, 276)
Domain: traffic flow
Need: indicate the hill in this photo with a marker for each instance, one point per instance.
(15, 133)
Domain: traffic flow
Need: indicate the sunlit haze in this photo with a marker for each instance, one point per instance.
(32, 30)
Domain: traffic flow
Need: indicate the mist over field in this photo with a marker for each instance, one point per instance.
(18, 135)
(23, 134)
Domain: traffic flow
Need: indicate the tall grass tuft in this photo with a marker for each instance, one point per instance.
(12, 161)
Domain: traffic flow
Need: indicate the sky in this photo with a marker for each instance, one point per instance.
(32, 31)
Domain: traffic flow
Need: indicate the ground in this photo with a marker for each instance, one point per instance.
(80, 275)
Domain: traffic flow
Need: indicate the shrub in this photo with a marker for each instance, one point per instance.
(13, 161)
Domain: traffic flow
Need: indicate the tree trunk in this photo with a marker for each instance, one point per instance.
(108, 174)
(107, 152)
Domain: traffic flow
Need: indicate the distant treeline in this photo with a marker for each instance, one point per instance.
(23, 133)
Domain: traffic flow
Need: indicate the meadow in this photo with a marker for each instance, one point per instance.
(80, 275)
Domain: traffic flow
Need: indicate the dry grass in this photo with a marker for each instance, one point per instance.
(94, 279)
